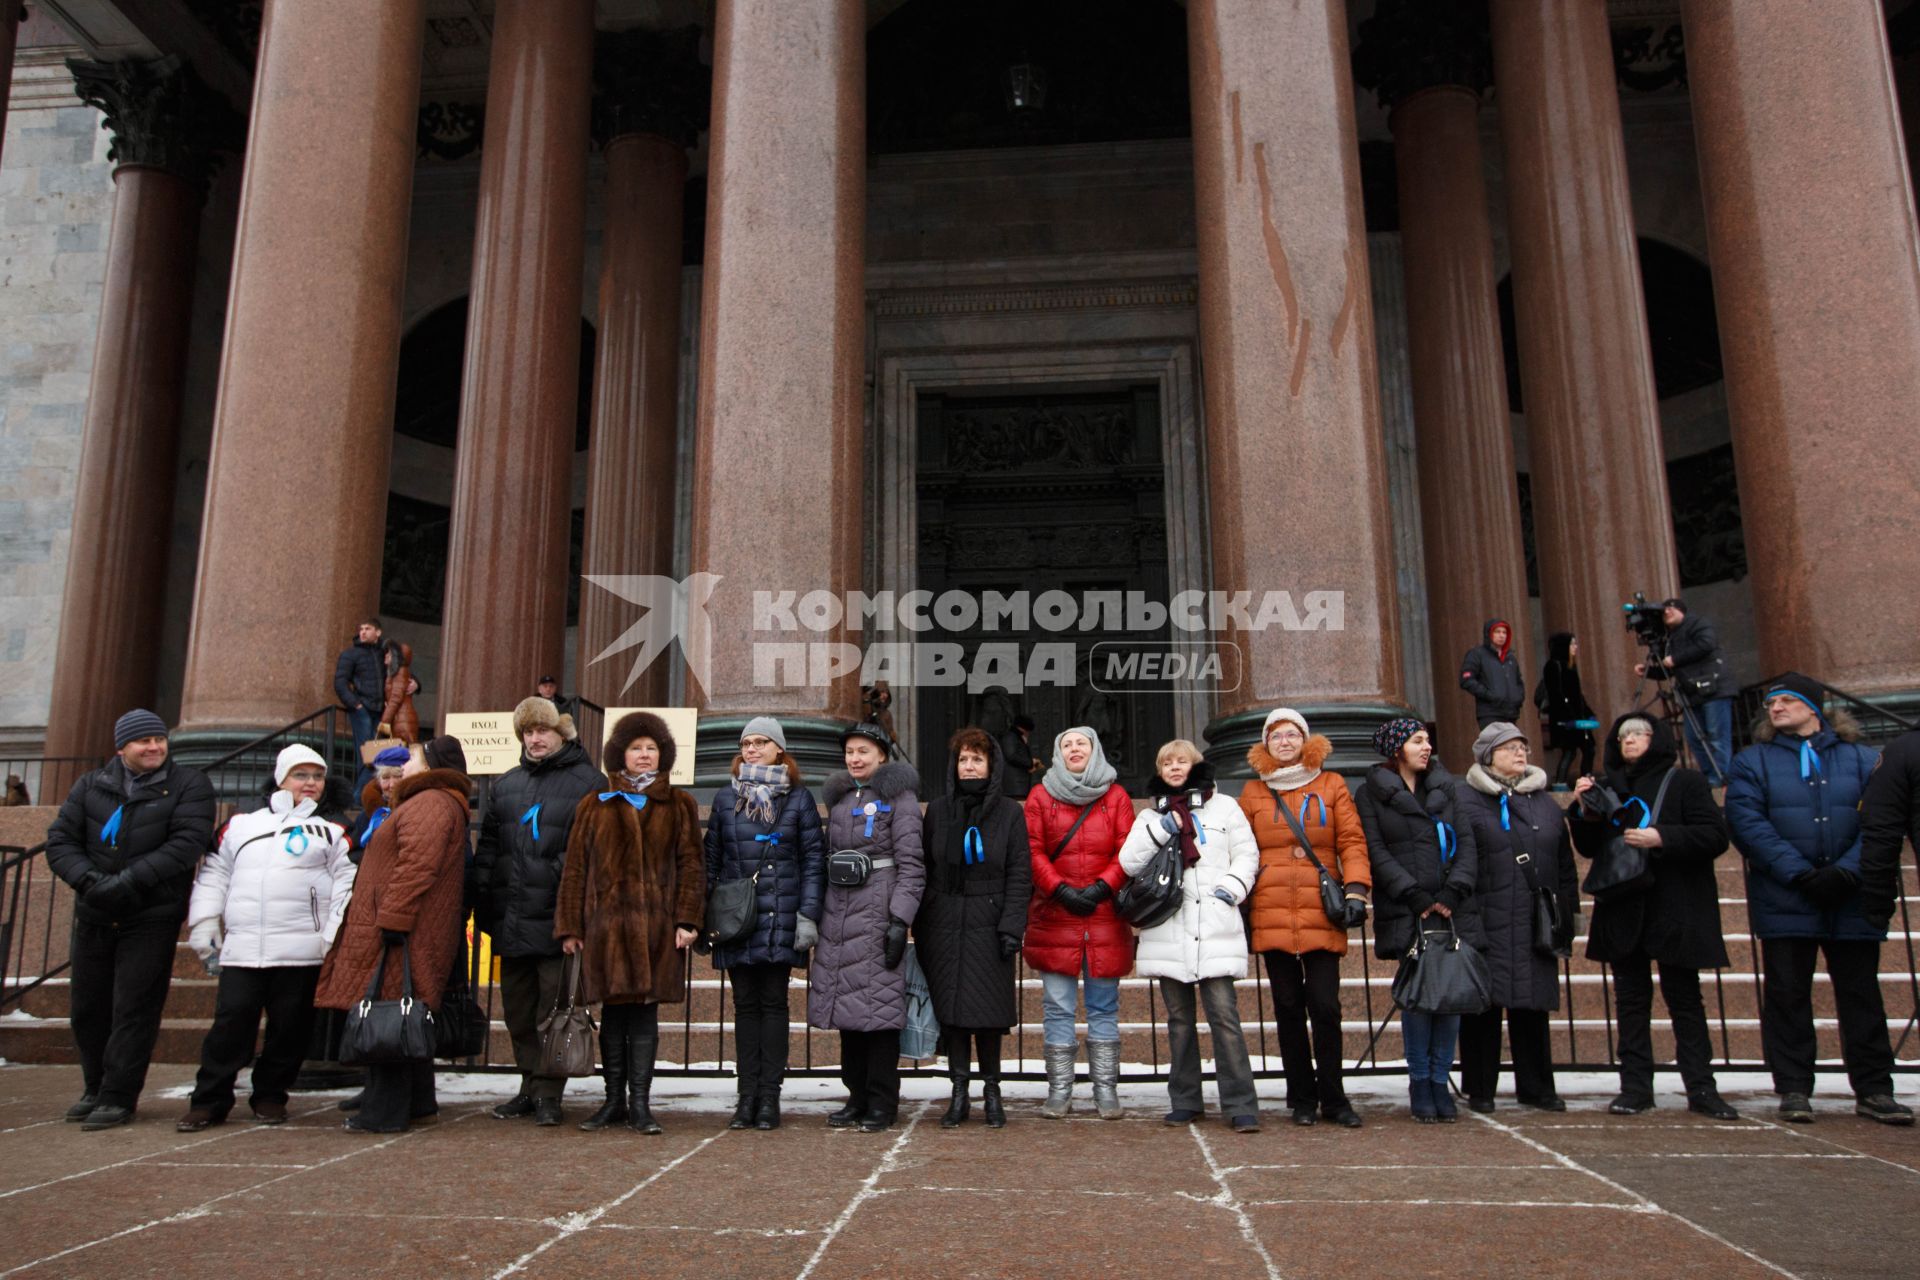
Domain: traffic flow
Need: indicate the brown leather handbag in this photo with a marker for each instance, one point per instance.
(566, 1033)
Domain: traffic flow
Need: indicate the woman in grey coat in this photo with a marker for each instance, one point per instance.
(858, 988)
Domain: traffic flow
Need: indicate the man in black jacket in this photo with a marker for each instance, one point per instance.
(128, 840)
(1491, 673)
(360, 683)
(1889, 816)
(517, 866)
(1694, 663)
(1016, 778)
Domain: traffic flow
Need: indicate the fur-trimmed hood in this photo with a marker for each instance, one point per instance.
(894, 778)
(637, 724)
(447, 779)
(1482, 779)
(1844, 726)
(1313, 755)
(1199, 777)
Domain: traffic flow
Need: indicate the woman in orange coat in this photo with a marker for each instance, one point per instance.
(1300, 945)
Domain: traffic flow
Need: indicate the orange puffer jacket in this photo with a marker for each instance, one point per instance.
(1287, 915)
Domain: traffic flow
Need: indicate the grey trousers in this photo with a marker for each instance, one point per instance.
(529, 988)
(1232, 1071)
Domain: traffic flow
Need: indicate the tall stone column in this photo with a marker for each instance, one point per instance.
(777, 490)
(1297, 482)
(1603, 526)
(1429, 62)
(9, 32)
(505, 620)
(1816, 278)
(166, 130)
(303, 429)
(652, 105)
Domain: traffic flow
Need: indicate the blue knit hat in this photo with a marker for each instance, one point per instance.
(391, 758)
(138, 723)
(1391, 736)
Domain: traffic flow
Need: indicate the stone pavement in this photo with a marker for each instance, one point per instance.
(1517, 1193)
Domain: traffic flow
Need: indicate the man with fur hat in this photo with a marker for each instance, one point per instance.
(127, 840)
(517, 869)
(280, 879)
(1793, 803)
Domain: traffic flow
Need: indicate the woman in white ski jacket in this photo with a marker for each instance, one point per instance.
(269, 900)
(1203, 945)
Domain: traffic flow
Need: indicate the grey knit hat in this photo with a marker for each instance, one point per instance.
(1492, 738)
(765, 727)
(138, 723)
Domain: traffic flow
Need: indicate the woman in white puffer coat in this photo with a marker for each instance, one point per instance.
(1203, 946)
(275, 890)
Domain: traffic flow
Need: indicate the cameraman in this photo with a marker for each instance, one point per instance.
(1699, 674)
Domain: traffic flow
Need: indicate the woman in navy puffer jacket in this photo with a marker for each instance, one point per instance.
(764, 822)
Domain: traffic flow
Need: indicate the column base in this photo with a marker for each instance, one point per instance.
(1348, 725)
(813, 742)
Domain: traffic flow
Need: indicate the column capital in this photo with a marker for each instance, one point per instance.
(650, 82)
(160, 114)
(1410, 45)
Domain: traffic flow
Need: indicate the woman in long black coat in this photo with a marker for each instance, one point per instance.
(1563, 708)
(973, 915)
(1675, 921)
(1505, 798)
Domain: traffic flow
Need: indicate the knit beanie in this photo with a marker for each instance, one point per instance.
(138, 723)
(1492, 738)
(765, 727)
(1795, 685)
(1391, 736)
(392, 758)
(1289, 715)
(297, 754)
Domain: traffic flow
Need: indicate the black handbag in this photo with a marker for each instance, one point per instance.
(1340, 913)
(388, 1030)
(1439, 976)
(460, 1029)
(1546, 908)
(731, 905)
(1153, 896)
(1620, 870)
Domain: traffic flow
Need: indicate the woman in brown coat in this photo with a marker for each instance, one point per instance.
(632, 899)
(407, 894)
(1299, 944)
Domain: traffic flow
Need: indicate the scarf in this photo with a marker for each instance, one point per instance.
(756, 787)
(639, 781)
(964, 846)
(1180, 804)
(1290, 777)
(1083, 788)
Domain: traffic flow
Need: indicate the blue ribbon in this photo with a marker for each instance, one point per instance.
(110, 829)
(774, 838)
(532, 818)
(1646, 814)
(287, 844)
(1307, 806)
(633, 798)
(1809, 759)
(972, 847)
(373, 823)
(1506, 818)
(1448, 841)
(871, 808)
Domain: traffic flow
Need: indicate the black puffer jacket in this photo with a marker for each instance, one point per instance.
(1695, 651)
(359, 677)
(146, 871)
(1523, 978)
(1677, 920)
(1889, 815)
(516, 873)
(968, 908)
(1403, 847)
(1498, 688)
(790, 853)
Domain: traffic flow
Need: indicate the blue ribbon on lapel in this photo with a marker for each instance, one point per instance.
(871, 808)
(773, 838)
(532, 818)
(633, 798)
(1449, 843)
(373, 823)
(1506, 817)
(287, 844)
(110, 829)
(972, 847)
(1809, 759)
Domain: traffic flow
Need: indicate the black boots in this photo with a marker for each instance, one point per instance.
(613, 1054)
(640, 1051)
(996, 1115)
(745, 1109)
(767, 1114)
(960, 1108)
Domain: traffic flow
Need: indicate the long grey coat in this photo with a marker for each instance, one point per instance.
(852, 988)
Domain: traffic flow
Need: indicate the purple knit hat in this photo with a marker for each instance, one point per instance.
(1391, 736)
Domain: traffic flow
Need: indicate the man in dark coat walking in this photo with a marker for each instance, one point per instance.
(127, 840)
(517, 868)
(1889, 816)
(360, 683)
(1491, 673)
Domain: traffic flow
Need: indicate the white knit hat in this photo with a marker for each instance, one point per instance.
(1288, 714)
(297, 754)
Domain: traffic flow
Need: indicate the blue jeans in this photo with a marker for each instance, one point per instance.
(1059, 998)
(362, 723)
(1430, 1040)
(1716, 717)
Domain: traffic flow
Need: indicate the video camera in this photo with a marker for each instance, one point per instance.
(1646, 621)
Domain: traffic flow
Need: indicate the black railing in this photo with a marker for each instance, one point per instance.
(43, 779)
(28, 899)
(1878, 722)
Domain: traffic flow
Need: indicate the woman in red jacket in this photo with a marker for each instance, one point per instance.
(1077, 819)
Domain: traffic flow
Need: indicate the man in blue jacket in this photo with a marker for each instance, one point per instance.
(1793, 805)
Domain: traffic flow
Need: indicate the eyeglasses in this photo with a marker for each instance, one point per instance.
(306, 775)
(1624, 734)
(756, 742)
(1288, 733)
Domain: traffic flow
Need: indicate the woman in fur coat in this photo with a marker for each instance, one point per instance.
(632, 899)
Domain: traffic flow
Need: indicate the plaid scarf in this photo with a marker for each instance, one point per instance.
(756, 787)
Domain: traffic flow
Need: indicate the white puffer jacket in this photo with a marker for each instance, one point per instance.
(280, 881)
(1205, 938)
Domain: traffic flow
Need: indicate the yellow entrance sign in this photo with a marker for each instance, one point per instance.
(488, 739)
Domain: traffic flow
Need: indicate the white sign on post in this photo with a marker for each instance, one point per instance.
(682, 722)
(488, 739)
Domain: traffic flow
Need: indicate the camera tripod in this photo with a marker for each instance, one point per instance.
(1674, 711)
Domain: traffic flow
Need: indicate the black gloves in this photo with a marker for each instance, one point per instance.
(1009, 946)
(1356, 911)
(112, 895)
(896, 944)
(393, 937)
(1082, 901)
(1828, 887)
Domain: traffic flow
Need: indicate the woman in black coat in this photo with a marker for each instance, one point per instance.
(973, 916)
(766, 824)
(1521, 836)
(1424, 865)
(1563, 709)
(1676, 920)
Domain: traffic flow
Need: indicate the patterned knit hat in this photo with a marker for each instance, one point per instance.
(1391, 736)
(138, 723)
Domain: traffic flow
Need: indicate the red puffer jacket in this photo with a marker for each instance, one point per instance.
(1057, 939)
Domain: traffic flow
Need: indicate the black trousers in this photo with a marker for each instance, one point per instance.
(1574, 762)
(1633, 1019)
(117, 991)
(1786, 1015)
(638, 1025)
(397, 1093)
(1529, 1032)
(285, 995)
(965, 1045)
(760, 1026)
(870, 1068)
(1307, 988)
(530, 986)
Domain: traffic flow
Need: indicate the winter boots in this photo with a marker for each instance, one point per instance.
(613, 1051)
(640, 1054)
(1103, 1061)
(959, 1108)
(1060, 1059)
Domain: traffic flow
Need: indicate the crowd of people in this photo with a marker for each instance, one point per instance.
(594, 879)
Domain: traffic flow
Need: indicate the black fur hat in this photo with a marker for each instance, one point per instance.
(637, 724)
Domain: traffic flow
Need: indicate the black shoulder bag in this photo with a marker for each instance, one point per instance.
(1621, 869)
(1333, 895)
(388, 1030)
(1546, 908)
(1153, 896)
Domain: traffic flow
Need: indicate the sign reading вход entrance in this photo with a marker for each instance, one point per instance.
(488, 739)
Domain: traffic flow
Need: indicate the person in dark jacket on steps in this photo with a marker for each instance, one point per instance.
(1491, 673)
(973, 915)
(1692, 659)
(1564, 712)
(1674, 921)
(1521, 835)
(360, 683)
(765, 824)
(1793, 802)
(1424, 865)
(127, 840)
(517, 866)
(1889, 815)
